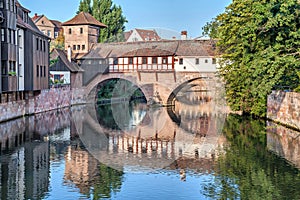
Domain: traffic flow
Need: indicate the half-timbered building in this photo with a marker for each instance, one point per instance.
(151, 56)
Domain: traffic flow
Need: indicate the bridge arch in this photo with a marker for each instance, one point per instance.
(183, 84)
(161, 87)
(90, 89)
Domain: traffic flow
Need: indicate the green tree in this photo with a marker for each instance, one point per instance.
(84, 6)
(109, 14)
(260, 48)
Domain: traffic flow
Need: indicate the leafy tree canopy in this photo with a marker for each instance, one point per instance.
(109, 14)
(260, 46)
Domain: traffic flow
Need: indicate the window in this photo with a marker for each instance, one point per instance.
(197, 61)
(13, 36)
(70, 31)
(41, 44)
(206, 61)
(41, 71)
(144, 60)
(44, 45)
(74, 47)
(214, 61)
(115, 61)
(44, 71)
(180, 61)
(37, 71)
(9, 35)
(4, 68)
(12, 66)
(1, 4)
(2, 35)
(164, 60)
(130, 60)
(83, 47)
(154, 60)
(49, 33)
(78, 47)
(7, 4)
(81, 30)
(37, 43)
(55, 34)
(12, 6)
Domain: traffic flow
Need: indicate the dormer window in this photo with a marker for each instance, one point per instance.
(25, 17)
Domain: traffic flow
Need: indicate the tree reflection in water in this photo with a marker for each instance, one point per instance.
(247, 169)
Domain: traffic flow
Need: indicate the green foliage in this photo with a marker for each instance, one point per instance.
(53, 61)
(246, 170)
(260, 47)
(59, 42)
(110, 181)
(298, 88)
(118, 88)
(109, 14)
(12, 73)
(84, 6)
(211, 29)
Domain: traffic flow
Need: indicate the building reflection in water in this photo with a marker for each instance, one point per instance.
(136, 136)
(284, 142)
(25, 154)
(29, 146)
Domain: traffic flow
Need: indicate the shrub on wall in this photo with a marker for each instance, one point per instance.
(298, 88)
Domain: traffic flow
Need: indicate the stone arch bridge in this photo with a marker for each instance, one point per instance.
(159, 86)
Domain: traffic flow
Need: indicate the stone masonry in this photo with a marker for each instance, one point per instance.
(50, 99)
(284, 107)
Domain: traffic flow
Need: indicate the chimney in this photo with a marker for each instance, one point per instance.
(69, 54)
(183, 35)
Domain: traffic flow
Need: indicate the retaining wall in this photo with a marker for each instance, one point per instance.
(47, 100)
(284, 107)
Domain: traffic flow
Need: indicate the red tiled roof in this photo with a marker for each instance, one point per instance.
(36, 17)
(153, 48)
(83, 18)
(56, 23)
(148, 35)
(148, 52)
(127, 34)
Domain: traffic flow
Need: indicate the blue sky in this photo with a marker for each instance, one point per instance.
(175, 15)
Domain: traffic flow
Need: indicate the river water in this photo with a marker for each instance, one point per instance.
(131, 151)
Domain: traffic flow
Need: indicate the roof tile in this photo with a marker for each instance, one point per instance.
(83, 18)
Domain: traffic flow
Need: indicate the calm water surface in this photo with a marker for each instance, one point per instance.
(129, 151)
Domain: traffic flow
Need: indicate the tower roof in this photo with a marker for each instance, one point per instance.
(83, 18)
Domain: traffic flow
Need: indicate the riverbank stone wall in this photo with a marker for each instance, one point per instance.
(284, 107)
(46, 100)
